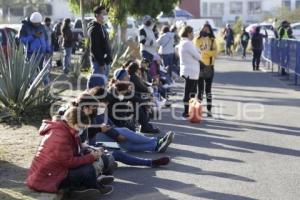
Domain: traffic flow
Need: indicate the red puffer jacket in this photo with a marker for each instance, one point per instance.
(57, 153)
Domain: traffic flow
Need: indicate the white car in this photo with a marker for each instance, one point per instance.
(264, 26)
(296, 30)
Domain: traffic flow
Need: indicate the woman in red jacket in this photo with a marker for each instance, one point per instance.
(58, 163)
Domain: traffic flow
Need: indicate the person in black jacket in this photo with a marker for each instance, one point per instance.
(244, 41)
(257, 47)
(99, 42)
(139, 85)
(67, 43)
(122, 97)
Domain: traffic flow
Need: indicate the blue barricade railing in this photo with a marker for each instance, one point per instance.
(285, 53)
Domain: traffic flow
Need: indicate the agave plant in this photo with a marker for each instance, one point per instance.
(21, 82)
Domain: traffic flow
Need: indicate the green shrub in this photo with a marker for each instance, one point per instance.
(21, 83)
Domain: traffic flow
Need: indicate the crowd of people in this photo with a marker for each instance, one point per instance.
(119, 110)
(279, 31)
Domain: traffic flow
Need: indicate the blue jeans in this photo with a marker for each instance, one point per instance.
(67, 59)
(96, 69)
(148, 56)
(168, 62)
(137, 142)
(134, 142)
(131, 160)
(46, 79)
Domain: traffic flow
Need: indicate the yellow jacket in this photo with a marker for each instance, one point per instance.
(208, 54)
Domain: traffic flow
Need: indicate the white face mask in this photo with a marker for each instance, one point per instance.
(100, 110)
(121, 97)
(105, 19)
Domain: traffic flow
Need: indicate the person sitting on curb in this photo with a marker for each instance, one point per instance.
(58, 163)
(127, 139)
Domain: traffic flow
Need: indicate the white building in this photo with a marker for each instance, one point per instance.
(249, 10)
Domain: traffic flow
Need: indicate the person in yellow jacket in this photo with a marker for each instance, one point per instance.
(208, 47)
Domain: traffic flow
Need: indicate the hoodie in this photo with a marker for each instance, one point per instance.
(57, 153)
(99, 43)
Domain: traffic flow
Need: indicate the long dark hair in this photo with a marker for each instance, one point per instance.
(211, 35)
(66, 24)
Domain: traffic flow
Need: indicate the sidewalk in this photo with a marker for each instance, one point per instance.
(230, 157)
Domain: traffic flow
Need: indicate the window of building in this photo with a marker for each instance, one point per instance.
(216, 9)
(297, 3)
(236, 7)
(254, 7)
(205, 9)
(287, 4)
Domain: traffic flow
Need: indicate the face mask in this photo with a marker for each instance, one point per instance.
(105, 19)
(100, 111)
(204, 34)
(121, 97)
(148, 23)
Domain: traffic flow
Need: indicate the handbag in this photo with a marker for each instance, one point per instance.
(105, 164)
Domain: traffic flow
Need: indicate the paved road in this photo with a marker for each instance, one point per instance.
(250, 150)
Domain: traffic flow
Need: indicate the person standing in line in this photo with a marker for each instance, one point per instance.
(35, 40)
(257, 47)
(99, 42)
(49, 31)
(147, 40)
(166, 48)
(189, 57)
(229, 39)
(68, 40)
(207, 44)
(245, 37)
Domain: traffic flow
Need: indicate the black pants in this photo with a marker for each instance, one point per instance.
(256, 59)
(190, 91)
(83, 176)
(144, 119)
(207, 84)
(244, 45)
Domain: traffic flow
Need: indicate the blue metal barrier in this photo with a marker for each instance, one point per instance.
(285, 53)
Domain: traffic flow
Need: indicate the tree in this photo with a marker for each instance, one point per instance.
(284, 13)
(120, 9)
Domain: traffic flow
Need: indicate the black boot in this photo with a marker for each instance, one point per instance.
(186, 111)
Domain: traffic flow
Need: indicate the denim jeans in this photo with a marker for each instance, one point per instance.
(147, 55)
(83, 176)
(46, 79)
(134, 142)
(67, 59)
(96, 69)
(131, 160)
(168, 62)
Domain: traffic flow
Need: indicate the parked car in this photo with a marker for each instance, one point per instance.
(264, 26)
(296, 30)
(7, 35)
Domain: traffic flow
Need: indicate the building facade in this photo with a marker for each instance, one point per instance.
(250, 11)
(223, 11)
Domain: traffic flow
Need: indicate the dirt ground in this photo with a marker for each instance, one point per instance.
(18, 144)
(17, 148)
